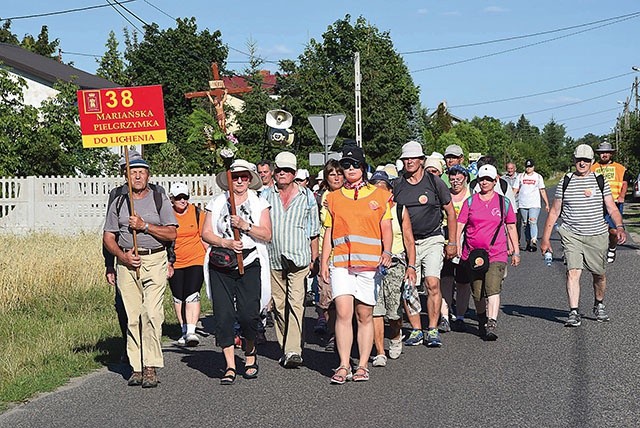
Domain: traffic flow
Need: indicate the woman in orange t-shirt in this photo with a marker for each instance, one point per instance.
(185, 274)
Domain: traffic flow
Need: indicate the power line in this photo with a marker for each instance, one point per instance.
(581, 116)
(523, 46)
(563, 105)
(80, 9)
(124, 17)
(542, 93)
(506, 39)
(589, 126)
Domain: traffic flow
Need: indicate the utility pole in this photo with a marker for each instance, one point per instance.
(356, 60)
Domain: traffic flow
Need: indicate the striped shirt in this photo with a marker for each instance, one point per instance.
(293, 228)
(582, 205)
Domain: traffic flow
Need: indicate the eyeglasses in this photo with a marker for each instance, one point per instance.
(348, 163)
(456, 179)
(243, 177)
(181, 197)
(287, 170)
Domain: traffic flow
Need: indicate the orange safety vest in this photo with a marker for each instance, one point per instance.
(356, 233)
(613, 173)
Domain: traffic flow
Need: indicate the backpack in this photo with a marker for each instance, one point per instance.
(599, 180)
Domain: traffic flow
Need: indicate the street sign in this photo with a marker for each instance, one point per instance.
(318, 158)
(327, 126)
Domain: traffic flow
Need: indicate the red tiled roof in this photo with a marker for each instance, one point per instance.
(235, 82)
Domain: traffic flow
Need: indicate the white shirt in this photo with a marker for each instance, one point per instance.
(529, 186)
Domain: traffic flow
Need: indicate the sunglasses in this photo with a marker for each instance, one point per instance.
(287, 170)
(485, 179)
(585, 160)
(243, 177)
(348, 163)
(181, 198)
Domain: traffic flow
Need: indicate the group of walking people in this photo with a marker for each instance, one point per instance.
(370, 239)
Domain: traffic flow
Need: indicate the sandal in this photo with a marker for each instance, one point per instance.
(361, 374)
(229, 376)
(251, 370)
(338, 378)
(611, 255)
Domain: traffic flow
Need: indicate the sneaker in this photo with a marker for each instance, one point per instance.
(182, 341)
(149, 377)
(534, 246)
(574, 319)
(320, 327)
(459, 326)
(135, 379)
(395, 348)
(379, 360)
(291, 360)
(415, 338)
(444, 325)
(270, 321)
(192, 340)
(490, 334)
(599, 313)
(331, 344)
(433, 338)
(482, 324)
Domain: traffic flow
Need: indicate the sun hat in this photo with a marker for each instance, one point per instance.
(434, 163)
(488, 171)
(605, 147)
(412, 149)
(583, 151)
(179, 189)
(453, 150)
(286, 160)
(239, 165)
(391, 170)
(302, 174)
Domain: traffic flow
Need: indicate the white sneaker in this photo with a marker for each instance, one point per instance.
(182, 341)
(395, 348)
(380, 360)
(192, 340)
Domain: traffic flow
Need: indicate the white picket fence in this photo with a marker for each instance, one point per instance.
(70, 205)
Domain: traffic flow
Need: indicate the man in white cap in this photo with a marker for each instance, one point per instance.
(292, 252)
(617, 177)
(583, 233)
(425, 196)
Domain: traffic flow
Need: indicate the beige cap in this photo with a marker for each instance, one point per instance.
(583, 151)
(286, 160)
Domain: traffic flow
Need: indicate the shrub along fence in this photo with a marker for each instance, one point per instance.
(70, 205)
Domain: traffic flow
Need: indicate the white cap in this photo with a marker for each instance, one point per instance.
(583, 151)
(302, 174)
(488, 171)
(179, 189)
(453, 150)
(412, 149)
(320, 175)
(286, 160)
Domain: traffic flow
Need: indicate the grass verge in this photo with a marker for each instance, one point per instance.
(56, 313)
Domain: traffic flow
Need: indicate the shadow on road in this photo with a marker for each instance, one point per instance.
(548, 314)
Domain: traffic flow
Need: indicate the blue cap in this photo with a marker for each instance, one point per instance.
(381, 176)
(458, 169)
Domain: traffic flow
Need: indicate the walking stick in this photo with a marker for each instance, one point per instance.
(232, 202)
(135, 234)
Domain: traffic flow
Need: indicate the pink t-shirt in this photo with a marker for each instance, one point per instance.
(482, 220)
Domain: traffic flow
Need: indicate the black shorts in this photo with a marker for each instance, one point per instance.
(186, 281)
(457, 271)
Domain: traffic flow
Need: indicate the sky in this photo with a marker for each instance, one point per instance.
(580, 76)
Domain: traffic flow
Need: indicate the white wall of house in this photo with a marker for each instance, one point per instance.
(37, 90)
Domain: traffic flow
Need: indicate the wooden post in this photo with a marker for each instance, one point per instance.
(133, 211)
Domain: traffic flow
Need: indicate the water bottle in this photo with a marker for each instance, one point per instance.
(548, 258)
(383, 270)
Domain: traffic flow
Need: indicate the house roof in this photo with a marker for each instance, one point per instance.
(48, 69)
(240, 82)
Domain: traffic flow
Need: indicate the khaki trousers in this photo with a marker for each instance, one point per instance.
(143, 303)
(288, 290)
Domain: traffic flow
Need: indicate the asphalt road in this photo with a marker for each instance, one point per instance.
(537, 374)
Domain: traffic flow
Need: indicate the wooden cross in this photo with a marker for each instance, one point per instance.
(219, 93)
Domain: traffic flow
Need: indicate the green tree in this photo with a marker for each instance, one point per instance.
(557, 151)
(6, 36)
(473, 139)
(497, 137)
(111, 65)
(323, 82)
(179, 59)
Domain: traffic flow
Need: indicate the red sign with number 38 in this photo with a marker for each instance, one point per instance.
(122, 116)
